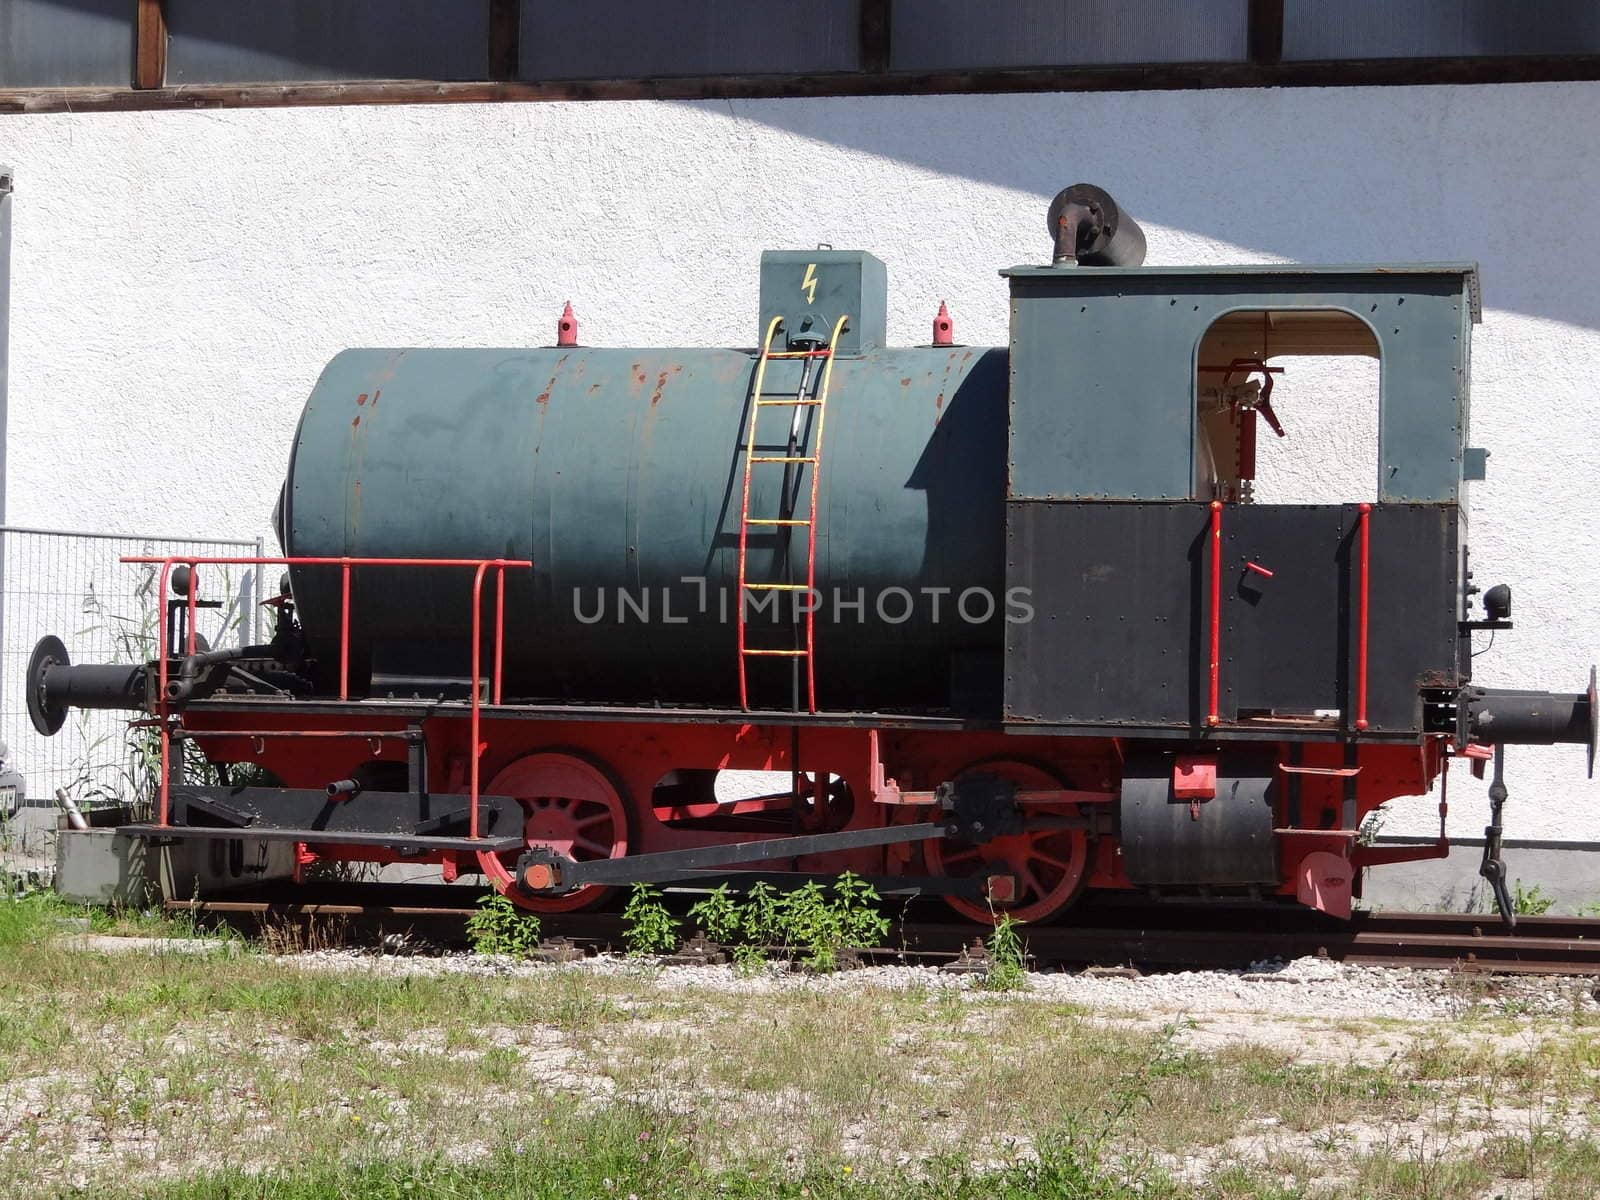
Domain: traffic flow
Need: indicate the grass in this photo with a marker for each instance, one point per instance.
(246, 1074)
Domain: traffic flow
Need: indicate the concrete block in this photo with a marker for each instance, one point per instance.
(1564, 874)
(98, 866)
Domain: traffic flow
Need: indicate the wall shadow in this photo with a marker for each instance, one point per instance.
(1503, 174)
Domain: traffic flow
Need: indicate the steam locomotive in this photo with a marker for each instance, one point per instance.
(1016, 627)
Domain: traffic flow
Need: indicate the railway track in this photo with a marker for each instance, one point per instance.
(1144, 936)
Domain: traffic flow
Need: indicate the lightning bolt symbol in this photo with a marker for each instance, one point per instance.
(808, 285)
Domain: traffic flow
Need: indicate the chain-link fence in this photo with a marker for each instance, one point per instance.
(105, 611)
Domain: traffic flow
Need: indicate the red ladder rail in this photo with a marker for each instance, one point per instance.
(759, 399)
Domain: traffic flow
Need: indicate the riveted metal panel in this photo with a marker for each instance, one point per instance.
(955, 35)
(1120, 633)
(1103, 371)
(1285, 638)
(44, 43)
(811, 289)
(242, 41)
(611, 39)
(1414, 603)
(1115, 635)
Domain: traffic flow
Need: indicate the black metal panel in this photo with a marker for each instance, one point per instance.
(1120, 633)
(1226, 840)
(47, 43)
(953, 35)
(1315, 29)
(1285, 637)
(238, 41)
(1115, 634)
(1415, 601)
(611, 39)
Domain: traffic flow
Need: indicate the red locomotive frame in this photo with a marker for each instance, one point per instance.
(586, 780)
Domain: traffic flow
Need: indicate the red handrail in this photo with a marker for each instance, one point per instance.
(1365, 523)
(482, 567)
(1214, 717)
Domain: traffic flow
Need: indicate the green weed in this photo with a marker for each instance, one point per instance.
(822, 923)
(761, 915)
(648, 928)
(500, 927)
(718, 916)
(1530, 902)
(1007, 956)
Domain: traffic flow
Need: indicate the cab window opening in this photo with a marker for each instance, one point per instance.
(1287, 408)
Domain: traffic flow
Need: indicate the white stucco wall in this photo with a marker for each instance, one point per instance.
(180, 278)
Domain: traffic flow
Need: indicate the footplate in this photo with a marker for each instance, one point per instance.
(435, 821)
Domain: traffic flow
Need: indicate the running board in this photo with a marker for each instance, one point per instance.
(351, 817)
(321, 837)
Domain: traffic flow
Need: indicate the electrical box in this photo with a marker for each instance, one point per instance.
(812, 289)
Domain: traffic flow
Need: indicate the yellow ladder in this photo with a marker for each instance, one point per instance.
(816, 397)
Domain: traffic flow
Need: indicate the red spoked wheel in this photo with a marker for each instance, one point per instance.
(570, 805)
(1048, 865)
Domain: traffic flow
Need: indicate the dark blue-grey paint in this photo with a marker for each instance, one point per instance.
(621, 469)
(812, 289)
(1103, 368)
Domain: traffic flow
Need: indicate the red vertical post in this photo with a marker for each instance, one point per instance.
(344, 630)
(1361, 627)
(477, 651)
(164, 792)
(1213, 715)
(499, 624)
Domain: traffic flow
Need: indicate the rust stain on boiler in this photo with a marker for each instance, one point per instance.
(544, 396)
(362, 398)
(661, 382)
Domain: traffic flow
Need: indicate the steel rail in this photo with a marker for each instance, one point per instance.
(1161, 937)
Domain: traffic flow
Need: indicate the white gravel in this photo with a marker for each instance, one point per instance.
(1307, 987)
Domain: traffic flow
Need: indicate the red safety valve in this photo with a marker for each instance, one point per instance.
(944, 329)
(567, 327)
